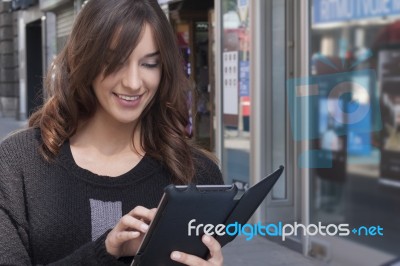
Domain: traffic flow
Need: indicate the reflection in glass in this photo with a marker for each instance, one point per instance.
(363, 185)
(236, 92)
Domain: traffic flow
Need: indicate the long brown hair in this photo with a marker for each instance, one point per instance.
(164, 122)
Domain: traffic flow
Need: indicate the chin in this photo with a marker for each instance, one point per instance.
(124, 116)
(127, 121)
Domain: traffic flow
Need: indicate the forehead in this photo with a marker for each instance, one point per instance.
(147, 41)
(143, 38)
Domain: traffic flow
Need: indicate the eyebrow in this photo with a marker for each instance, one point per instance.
(151, 54)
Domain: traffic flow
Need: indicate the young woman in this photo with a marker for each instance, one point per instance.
(79, 187)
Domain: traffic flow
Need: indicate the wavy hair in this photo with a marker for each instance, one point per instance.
(164, 121)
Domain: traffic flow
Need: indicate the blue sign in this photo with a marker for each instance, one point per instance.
(243, 3)
(326, 11)
(244, 89)
(358, 143)
(348, 98)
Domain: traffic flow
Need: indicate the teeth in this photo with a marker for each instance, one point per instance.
(128, 98)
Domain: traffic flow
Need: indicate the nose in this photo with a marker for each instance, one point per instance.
(131, 78)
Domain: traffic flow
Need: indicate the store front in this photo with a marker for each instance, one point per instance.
(40, 33)
(60, 15)
(359, 41)
(29, 29)
(313, 85)
(251, 72)
(193, 24)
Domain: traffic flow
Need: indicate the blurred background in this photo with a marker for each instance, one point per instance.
(246, 58)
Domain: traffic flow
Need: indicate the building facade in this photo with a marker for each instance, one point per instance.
(33, 32)
(320, 78)
(9, 91)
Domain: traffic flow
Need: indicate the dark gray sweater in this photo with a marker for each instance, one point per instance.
(58, 213)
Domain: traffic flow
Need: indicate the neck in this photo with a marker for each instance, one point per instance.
(107, 136)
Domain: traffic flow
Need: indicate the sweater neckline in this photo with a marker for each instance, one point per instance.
(145, 167)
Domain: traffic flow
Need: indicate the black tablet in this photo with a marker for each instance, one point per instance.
(186, 212)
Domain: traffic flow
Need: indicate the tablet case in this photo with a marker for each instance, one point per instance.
(207, 205)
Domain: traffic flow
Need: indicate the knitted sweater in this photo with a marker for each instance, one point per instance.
(58, 213)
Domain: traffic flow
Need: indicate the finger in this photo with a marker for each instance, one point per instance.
(187, 259)
(138, 210)
(214, 247)
(126, 235)
(115, 239)
(129, 222)
(153, 213)
(142, 212)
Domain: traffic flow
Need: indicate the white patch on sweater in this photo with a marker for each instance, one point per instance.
(105, 215)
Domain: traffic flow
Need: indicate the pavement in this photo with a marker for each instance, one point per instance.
(261, 252)
(256, 252)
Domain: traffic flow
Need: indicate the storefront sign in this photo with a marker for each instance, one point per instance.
(21, 4)
(242, 8)
(244, 78)
(162, 2)
(230, 85)
(326, 11)
(51, 4)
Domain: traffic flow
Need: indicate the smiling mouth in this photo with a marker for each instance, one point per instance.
(127, 98)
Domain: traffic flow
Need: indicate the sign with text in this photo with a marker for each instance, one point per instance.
(230, 64)
(327, 11)
(244, 76)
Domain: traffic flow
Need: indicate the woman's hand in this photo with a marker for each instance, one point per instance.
(125, 238)
(215, 259)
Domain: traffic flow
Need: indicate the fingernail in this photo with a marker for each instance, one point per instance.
(206, 238)
(175, 255)
(144, 227)
(135, 234)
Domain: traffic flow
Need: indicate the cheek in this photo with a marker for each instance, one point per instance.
(102, 85)
(96, 87)
(97, 84)
(153, 81)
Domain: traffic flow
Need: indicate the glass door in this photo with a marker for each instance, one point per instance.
(353, 153)
(235, 92)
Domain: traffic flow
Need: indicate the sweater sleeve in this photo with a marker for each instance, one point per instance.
(15, 248)
(91, 254)
(14, 244)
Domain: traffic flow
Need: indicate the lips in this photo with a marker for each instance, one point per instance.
(128, 101)
(127, 97)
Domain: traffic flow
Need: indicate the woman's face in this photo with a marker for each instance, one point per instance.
(124, 94)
